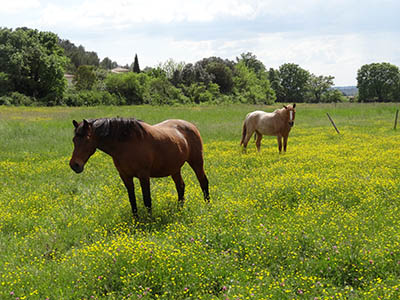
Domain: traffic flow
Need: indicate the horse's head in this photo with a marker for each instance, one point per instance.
(85, 145)
(291, 112)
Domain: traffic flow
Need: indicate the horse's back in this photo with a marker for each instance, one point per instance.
(185, 130)
(261, 121)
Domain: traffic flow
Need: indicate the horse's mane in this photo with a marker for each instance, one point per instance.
(117, 128)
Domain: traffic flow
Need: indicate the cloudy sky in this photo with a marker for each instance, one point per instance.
(324, 37)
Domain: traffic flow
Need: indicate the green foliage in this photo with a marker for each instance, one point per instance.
(252, 63)
(252, 88)
(16, 99)
(333, 95)
(378, 82)
(318, 86)
(293, 83)
(222, 75)
(108, 64)
(33, 63)
(170, 68)
(85, 78)
(5, 84)
(91, 98)
(78, 56)
(162, 92)
(136, 68)
(201, 93)
(131, 86)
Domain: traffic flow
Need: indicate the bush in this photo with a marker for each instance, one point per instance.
(161, 91)
(200, 93)
(92, 98)
(333, 96)
(16, 99)
(130, 86)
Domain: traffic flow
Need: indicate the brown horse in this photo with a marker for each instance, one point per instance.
(141, 150)
(277, 123)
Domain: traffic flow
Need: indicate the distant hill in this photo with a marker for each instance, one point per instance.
(347, 90)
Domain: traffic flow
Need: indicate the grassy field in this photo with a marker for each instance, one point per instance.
(319, 222)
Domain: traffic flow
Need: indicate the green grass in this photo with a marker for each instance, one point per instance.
(318, 222)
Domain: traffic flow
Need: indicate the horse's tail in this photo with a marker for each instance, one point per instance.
(243, 132)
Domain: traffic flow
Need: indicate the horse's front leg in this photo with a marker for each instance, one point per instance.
(285, 138)
(128, 182)
(279, 143)
(145, 184)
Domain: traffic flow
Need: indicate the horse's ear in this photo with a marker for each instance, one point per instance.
(294, 105)
(75, 123)
(85, 124)
(285, 106)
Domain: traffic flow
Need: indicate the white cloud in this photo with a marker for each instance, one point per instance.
(17, 6)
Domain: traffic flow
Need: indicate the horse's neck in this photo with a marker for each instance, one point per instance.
(108, 145)
(282, 114)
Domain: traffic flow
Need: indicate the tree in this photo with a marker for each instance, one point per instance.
(33, 62)
(251, 62)
(108, 64)
(136, 67)
(317, 86)
(221, 75)
(78, 56)
(250, 88)
(219, 71)
(378, 82)
(275, 80)
(131, 86)
(293, 81)
(170, 67)
(85, 78)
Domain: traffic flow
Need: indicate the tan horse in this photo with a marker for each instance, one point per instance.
(143, 151)
(277, 123)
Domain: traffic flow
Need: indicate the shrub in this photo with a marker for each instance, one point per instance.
(92, 98)
(16, 99)
(333, 96)
(161, 91)
(130, 86)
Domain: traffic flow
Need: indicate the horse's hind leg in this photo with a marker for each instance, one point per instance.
(247, 138)
(198, 169)
(258, 141)
(180, 186)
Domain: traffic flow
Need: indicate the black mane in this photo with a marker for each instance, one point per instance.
(117, 128)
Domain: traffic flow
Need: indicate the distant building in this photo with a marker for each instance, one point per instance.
(119, 70)
(69, 78)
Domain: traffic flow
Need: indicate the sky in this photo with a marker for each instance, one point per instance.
(324, 37)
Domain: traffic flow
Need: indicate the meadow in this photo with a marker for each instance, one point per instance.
(321, 221)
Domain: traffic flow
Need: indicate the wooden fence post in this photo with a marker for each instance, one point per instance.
(333, 123)
(395, 120)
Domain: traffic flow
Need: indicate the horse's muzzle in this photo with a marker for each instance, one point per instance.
(291, 124)
(76, 167)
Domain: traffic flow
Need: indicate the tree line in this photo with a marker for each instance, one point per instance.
(33, 65)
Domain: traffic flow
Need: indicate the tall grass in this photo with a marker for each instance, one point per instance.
(318, 222)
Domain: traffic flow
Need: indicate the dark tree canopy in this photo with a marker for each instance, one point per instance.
(136, 67)
(378, 82)
(33, 62)
(293, 81)
(78, 56)
(108, 64)
(251, 62)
